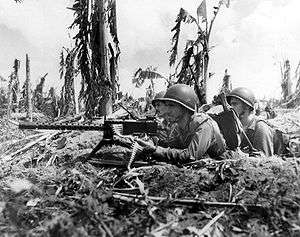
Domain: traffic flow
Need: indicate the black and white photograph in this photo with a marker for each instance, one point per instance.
(149, 118)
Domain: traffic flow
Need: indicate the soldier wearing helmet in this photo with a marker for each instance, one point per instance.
(258, 131)
(158, 104)
(195, 134)
(165, 127)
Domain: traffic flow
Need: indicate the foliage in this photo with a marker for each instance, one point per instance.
(51, 104)
(78, 199)
(226, 85)
(195, 59)
(297, 77)
(141, 75)
(15, 86)
(286, 82)
(69, 72)
(38, 97)
(49, 191)
(97, 84)
(3, 101)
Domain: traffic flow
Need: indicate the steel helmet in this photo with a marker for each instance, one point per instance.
(183, 95)
(158, 97)
(243, 94)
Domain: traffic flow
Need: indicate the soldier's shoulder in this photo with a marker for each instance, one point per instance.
(200, 119)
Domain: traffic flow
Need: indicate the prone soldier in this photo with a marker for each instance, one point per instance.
(195, 134)
(165, 127)
(260, 134)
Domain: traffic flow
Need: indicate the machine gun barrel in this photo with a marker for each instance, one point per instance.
(60, 126)
(128, 126)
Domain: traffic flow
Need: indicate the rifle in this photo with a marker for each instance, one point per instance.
(110, 127)
(227, 107)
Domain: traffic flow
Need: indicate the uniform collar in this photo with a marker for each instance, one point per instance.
(252, 124)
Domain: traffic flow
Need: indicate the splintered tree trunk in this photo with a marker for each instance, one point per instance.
(113, 65)
(286, 80)
(28, 97)
(106, 101)
(17, 84)
(226, 86)
(69, 91)
(9, 96)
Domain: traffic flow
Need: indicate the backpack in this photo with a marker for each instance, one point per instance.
(228, 127)
(281, 140)
(231, 133)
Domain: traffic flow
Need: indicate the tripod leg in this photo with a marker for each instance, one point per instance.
(103, 142)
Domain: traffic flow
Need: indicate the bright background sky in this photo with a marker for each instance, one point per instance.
(251, 38)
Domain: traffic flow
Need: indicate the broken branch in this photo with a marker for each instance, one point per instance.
(140, 200)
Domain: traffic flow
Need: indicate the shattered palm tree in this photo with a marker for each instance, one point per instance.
(16, 86)
(295, 98)
(27, 92)
(69, 72)
(9, 95)
(149, 73)
(286, 80)
(51, 107)
(194, 63)
(13, 89)
(226, 85)
(38, 97)
(97, 57)
(3, 101)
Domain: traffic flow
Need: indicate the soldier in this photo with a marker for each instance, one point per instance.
(270, 112)
(194, 136)
(258, 131)
(165, 126)
(159, 105)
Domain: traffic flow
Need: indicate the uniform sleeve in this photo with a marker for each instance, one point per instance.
(200, 142)
(172, 139)
(263, 138)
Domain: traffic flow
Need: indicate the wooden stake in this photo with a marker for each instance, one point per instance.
(30, 144)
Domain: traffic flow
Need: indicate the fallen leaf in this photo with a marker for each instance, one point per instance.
(18, 185)
(61, 143)
(33, 202)
(58, 190)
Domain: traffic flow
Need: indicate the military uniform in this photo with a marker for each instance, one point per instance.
(261, 136)
(200, 137)
(165, 130)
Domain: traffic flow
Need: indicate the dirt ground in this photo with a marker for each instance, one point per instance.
(48, 190)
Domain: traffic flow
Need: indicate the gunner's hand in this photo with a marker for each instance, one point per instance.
(148, 147)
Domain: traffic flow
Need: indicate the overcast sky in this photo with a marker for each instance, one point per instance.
(251, 38)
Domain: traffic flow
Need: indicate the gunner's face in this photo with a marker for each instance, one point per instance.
(161, 109)
(175, 112)
(239, 107)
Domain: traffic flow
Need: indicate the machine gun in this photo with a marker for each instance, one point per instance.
(110, 127)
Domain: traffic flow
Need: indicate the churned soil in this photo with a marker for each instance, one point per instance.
(48, 190)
